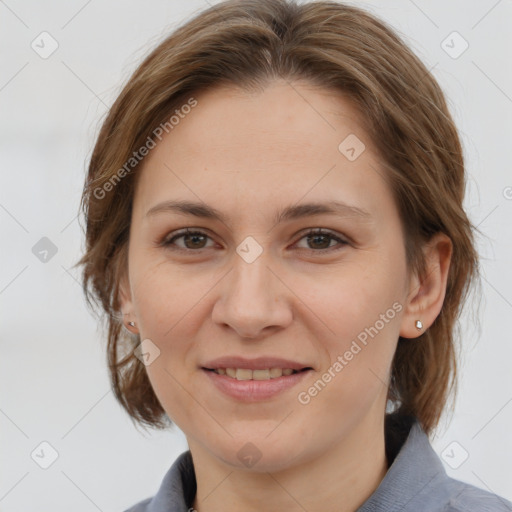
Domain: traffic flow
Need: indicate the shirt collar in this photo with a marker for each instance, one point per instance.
(414, 465)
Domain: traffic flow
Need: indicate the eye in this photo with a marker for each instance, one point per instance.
(192, 240)
(321, 240)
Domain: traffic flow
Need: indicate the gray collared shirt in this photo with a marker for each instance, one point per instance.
(416, 481)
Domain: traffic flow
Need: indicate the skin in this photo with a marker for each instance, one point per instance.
(249, 155)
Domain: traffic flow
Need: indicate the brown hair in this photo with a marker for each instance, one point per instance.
(332, 45)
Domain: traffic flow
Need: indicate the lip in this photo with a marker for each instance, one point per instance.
(259, 363)
(255, 390)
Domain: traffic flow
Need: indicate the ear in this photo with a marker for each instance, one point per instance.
(426, 293)
(126, 304)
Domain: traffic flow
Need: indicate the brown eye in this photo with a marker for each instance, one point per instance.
(192, 240)
(318, 240)
(196, 241)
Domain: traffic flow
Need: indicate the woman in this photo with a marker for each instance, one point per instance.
(276, 232)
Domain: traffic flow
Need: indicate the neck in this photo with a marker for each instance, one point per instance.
(339, 480)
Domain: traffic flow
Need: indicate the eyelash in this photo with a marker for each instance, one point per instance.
(169, 242)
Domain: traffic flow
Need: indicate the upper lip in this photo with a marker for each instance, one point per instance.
(259, 363)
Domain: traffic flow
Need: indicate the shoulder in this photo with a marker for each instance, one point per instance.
(176, 491)
(417, 480)
(468, 498)
(141, 506)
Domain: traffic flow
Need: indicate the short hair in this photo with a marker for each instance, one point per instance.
(249, 44)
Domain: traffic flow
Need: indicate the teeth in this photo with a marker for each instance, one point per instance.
(247, 374)
(243, 374)
(261, 374)
(275, 372)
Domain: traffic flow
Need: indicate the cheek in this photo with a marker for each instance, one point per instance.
(354, 299)
(354, 375)
(165, 304)
(362, 310)
(165, 297)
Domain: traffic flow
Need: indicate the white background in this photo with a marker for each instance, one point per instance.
(53, 380)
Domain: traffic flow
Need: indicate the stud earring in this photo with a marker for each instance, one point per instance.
(419, 325)
(131, 324)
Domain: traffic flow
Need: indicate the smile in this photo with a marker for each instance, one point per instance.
(260, 374)
(246, 385)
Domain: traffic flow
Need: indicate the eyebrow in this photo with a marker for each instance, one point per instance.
(202, 210)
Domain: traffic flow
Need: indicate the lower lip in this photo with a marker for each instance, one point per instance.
(255, 390)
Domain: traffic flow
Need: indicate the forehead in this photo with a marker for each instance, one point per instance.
(249, 149)
(299, 115)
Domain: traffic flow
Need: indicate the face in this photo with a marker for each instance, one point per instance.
(264, 282)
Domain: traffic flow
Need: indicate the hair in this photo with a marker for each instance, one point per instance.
(249, 44)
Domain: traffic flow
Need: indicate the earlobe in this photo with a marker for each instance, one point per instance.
(427, 292)
(126, 306)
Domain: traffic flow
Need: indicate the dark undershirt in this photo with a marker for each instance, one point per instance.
(396, 430)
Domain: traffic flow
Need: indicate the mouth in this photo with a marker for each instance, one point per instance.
(256, 374)
(254, 380)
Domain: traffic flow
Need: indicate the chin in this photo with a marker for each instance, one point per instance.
(260, 454)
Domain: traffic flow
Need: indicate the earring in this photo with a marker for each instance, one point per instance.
(131, 324)
(419, 325)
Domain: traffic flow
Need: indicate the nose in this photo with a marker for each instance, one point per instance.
(253, 301)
